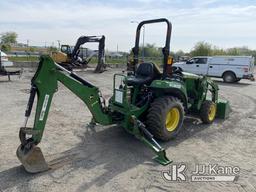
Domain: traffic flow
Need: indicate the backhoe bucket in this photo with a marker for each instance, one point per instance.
(32, 160)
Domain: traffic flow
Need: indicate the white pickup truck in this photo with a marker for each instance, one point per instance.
(4, 60)
(230, 68)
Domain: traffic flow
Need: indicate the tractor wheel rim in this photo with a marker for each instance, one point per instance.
(172, 119)
(212, 112)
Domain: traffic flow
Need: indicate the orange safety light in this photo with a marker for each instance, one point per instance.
(170, 60)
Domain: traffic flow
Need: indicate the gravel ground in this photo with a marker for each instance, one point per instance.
(109, 159)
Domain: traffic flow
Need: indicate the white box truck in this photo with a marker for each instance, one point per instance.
(230, 68)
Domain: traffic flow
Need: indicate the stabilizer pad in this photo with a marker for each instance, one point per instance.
(223, 109)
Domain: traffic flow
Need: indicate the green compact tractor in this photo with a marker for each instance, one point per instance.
(147, 103)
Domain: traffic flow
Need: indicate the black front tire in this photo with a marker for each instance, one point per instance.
(158, 114)
(208, 112)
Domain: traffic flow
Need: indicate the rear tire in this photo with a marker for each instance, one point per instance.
(165, 118)
(208, 112)
(229, 77)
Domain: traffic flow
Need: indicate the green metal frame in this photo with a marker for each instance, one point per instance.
(49, 74)
(190, 89)
(131, 123)
(45, 81)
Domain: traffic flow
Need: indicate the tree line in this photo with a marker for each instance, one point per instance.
(9, 39)
(150, 50)
(200, 49)
(206, 49)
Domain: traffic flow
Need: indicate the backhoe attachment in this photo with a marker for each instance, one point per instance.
(44, 85)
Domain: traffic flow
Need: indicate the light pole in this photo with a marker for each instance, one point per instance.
(143, 39)
(1, 54)
(0, 58)
(58, 43)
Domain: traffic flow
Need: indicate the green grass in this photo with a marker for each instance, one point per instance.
(94, 60)
(24, 58)
(157, 61)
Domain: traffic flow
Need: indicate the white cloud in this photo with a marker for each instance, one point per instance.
(227, 25)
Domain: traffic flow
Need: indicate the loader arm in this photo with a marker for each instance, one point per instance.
(44, 84)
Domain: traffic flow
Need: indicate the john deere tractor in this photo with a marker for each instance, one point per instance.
(147, 103)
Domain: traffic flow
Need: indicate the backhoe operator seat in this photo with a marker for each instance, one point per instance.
(145, 74)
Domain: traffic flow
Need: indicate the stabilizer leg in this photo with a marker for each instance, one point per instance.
(146, 137)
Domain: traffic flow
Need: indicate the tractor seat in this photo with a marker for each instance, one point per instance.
(145, 74)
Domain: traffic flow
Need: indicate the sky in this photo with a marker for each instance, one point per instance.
(224, 23)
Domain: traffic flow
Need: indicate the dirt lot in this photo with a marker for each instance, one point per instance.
(112, 160)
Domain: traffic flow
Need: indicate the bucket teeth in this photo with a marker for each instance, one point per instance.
(32, 160)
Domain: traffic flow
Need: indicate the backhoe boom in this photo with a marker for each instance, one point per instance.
(44, 85)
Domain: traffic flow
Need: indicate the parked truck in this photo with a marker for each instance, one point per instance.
(230, 68)
(4, 62)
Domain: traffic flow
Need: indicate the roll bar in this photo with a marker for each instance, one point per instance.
(165, 49)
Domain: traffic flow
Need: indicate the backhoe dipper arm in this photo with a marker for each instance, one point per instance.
(101, 55)
(44, 85)
(87, 39)
(101, 51)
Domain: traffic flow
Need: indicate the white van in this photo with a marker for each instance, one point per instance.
(230, 68)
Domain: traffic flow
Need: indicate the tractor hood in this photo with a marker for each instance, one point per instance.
(190, 75)
(179, 63)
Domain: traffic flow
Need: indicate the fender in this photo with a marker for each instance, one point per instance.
(175, 88)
